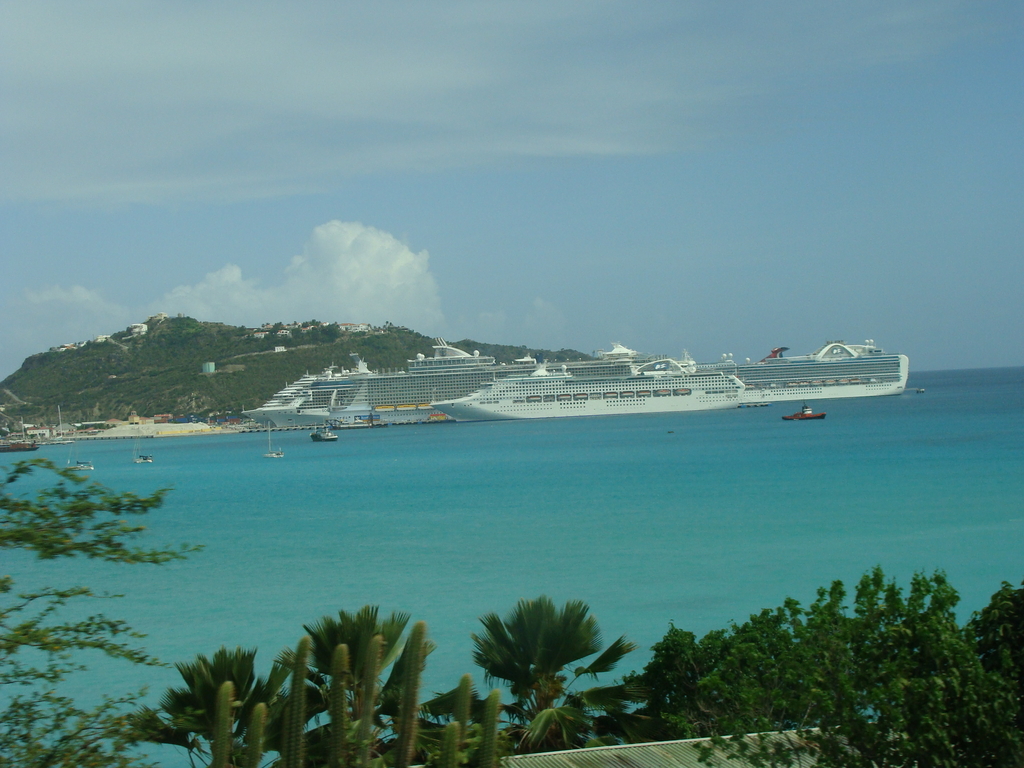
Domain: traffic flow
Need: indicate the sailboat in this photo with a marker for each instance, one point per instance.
(60, 439)
(271, 453)
(140, 458)
(77, 466)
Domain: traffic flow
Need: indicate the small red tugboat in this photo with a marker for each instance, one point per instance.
(805, 413)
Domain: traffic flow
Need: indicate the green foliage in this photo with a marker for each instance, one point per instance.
(375, 645)
(39, 726)
(366, 719)
(476, 744)
(530, 650)
(998, 631)
(185, 716)
(891, 681)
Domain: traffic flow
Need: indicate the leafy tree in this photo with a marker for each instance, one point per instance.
(905, 685)
(999, 633)
(39, 725)
(892, 681)
(530, 650)
(745, 679)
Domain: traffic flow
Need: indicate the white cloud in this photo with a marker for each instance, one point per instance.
(118, 101)
(347, 271)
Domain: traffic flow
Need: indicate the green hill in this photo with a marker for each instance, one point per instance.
(161, 371)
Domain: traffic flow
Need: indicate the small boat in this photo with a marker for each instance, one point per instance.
(271, 452)
(322, 435)
(17, 447)
(140, 458)
(74, 464)
(805, 413)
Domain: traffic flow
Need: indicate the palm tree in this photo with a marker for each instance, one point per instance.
(356, 630)
(530, 650)
(185, 716)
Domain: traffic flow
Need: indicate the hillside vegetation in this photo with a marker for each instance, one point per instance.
(161, 371)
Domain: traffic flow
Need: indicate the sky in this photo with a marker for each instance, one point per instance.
(715, 177)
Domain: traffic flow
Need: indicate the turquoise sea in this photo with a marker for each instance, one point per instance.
(696, 519)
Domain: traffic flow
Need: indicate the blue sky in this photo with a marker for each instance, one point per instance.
(720, 177)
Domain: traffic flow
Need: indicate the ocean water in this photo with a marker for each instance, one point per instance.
(697, 519)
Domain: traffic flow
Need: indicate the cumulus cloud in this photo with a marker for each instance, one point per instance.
(158, 102)
(347, 271)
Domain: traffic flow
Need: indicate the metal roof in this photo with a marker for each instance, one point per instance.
(660, 754)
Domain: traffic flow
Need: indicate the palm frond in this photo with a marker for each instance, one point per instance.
(609, 659)
(557, 727)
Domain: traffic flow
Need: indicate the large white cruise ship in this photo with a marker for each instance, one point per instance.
(657, 386)
(834, 370)
(349, 395)
(406, 396)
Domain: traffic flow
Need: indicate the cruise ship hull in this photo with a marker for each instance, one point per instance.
(468, 410)
(821, 392)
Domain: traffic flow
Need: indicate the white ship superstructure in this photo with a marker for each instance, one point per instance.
(834, 370)
(405, 395)
(305, 402)
(658, 386)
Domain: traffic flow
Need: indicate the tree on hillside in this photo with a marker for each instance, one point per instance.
(39, 647)
(531, 650)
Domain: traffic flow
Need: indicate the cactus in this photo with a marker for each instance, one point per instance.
(450, 743)
(293, 752)
(463, 701)
(222, 741)
(368, 697)
(340, 754)
(487, 755)
(254, 736)
(408, 711)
